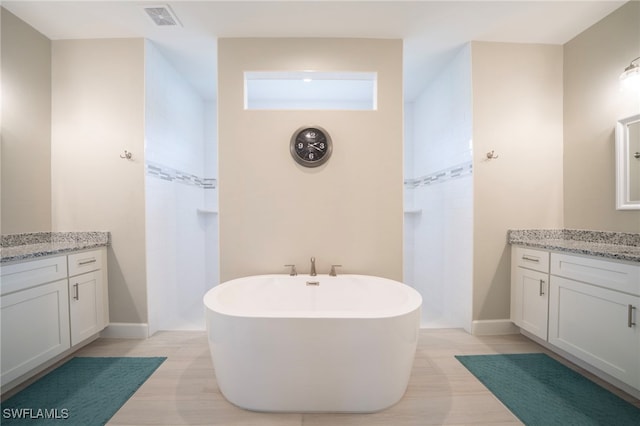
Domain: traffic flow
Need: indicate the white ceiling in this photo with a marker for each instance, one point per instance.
(432, 30)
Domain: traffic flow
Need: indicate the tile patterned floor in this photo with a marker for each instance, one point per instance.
(441, 391)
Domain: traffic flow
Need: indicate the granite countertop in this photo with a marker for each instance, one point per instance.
(610, 245)
(28, 246)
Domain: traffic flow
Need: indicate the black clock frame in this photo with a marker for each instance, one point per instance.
(308, 155)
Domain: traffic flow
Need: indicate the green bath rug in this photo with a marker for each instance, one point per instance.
(541, 391)
(84, 391)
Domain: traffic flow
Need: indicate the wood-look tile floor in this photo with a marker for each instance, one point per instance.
(441, 391)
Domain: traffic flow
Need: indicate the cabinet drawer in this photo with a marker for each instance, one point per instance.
(538, 260)
(613, 275)
(20, 276)
(87, 261)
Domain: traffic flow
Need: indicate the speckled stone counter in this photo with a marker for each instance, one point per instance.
(17, 247)
(611, 245)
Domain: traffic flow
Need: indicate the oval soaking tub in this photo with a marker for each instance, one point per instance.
(313, 344)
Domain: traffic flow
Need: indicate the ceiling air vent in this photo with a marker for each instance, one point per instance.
(163, 16)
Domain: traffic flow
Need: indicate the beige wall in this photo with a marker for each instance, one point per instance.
(97, 113)
(26, 127)
(593, 102)
(517, 112)
(273, 211)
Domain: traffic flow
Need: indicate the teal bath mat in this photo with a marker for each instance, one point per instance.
(541, 391)
(83, 391)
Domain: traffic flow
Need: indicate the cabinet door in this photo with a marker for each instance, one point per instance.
(596, 325)
(530, 301)
(35, 327)
(86, 307)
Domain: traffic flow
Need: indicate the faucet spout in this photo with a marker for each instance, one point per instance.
(313, 267)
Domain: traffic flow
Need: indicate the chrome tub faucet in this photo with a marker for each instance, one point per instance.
(293, 271)
(313, 267)
(332, 273)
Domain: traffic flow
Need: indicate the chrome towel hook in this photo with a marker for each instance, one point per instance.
(126, 155)
(491, 155)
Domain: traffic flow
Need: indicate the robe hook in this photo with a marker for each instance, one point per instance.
(491, 155)
(126, 155)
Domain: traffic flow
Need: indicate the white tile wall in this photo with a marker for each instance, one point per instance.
(439, 217)
(181, 235)
(174, 114)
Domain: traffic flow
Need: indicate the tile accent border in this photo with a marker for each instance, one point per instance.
(440, 176)
(170, 174)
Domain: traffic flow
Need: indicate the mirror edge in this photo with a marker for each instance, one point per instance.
(622, 161)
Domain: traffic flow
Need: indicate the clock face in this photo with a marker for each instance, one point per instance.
(311, 146)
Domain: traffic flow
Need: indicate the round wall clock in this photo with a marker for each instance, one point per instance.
(311, 146)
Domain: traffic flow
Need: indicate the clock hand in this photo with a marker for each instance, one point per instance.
(313, 145)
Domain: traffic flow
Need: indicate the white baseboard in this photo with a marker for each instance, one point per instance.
(493, 327)
(125, 330)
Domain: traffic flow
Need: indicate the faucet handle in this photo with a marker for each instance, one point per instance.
(332, 273)
(293, 271)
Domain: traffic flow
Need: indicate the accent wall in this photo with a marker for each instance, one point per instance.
(275, 212)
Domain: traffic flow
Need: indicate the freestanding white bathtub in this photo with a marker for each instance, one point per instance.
(313, 344)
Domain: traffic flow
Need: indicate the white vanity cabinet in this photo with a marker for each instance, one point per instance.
(530, 290)
(582, 307)
(593, 314)
(48, 306)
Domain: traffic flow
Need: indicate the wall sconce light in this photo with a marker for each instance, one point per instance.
(630, 78)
